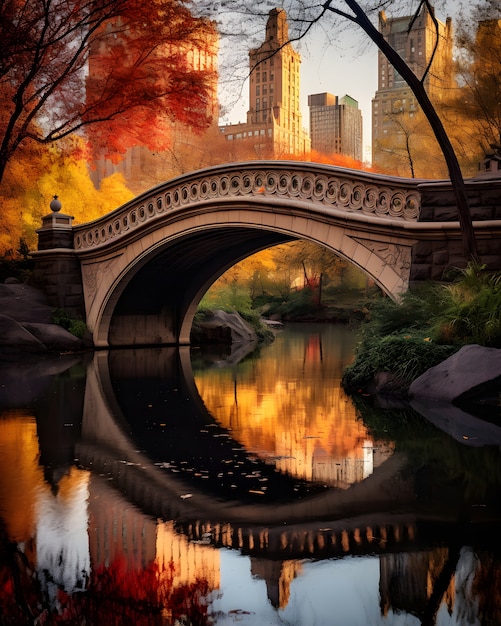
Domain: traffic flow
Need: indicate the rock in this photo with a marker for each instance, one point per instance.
(24, 303)
(471, 366)
(227, 328)
(25, 322)
(15, 337)
(54, 337)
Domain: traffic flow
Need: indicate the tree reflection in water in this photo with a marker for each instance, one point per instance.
(84, 544)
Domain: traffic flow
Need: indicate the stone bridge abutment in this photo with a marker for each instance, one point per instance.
(139, 272)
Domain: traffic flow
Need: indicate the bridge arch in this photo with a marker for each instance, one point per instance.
(146, 266)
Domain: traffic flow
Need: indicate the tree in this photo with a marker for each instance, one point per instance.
(306, 16)
(141, 78)
(33, 177)
(411, 150)
(479, 68)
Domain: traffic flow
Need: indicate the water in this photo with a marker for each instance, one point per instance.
(149, 486)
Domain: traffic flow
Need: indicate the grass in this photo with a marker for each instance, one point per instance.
(427, 326)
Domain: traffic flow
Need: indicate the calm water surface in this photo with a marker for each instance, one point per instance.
(161, 486)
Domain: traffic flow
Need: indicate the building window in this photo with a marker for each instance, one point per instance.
(264, 77)
(258, 90)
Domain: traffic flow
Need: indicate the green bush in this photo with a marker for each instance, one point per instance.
(427, 326)
(74, 326)
(469, 310)
(299, 305)
(406, 356)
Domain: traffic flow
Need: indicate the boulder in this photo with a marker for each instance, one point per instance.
(25, 322)
(222, 327)
(471, 366)
(24, 303)
(14, 336)
(54, 337)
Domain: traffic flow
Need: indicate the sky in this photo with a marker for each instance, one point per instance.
(344, 64)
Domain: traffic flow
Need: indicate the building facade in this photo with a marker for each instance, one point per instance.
(335, 125)
(274, 126)
(415, 39)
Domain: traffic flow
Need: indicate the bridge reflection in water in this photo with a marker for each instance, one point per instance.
(128, 499)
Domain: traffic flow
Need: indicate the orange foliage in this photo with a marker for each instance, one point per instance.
(340, 160)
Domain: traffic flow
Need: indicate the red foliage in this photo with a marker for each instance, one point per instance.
(114, 596)
(135, 55)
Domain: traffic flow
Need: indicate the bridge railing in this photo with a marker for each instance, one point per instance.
(323, 186)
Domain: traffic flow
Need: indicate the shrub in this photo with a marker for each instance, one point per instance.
(469, 310)
(73, 325)
(407, 356)
(427, 326)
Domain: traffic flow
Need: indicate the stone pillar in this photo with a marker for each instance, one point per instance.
(57, 268)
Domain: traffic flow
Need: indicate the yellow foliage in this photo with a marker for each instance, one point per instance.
(31, 181)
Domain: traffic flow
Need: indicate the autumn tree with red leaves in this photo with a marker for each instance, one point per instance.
(141, 79)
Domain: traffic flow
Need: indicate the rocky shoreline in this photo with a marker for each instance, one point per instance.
(26, 323)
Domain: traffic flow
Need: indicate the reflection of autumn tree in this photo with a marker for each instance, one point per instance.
(276, 407)
(114, 596)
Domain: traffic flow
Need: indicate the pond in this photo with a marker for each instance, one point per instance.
(194, 486)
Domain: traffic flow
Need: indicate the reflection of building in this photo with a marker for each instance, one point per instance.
(408, 581)
(308, 432)
(278, 576)
(122, 532)
(192, 561)
(274, 121)
(415, 42)
(335, 125)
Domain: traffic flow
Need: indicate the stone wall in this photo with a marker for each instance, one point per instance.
(433, 259)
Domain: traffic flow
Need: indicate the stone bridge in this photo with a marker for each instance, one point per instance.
(138, 273)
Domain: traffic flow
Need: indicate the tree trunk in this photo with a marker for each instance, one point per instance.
(417, 88)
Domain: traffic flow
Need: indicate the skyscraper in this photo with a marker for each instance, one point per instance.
(414, 40)
(274, 121)
(335, 125)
